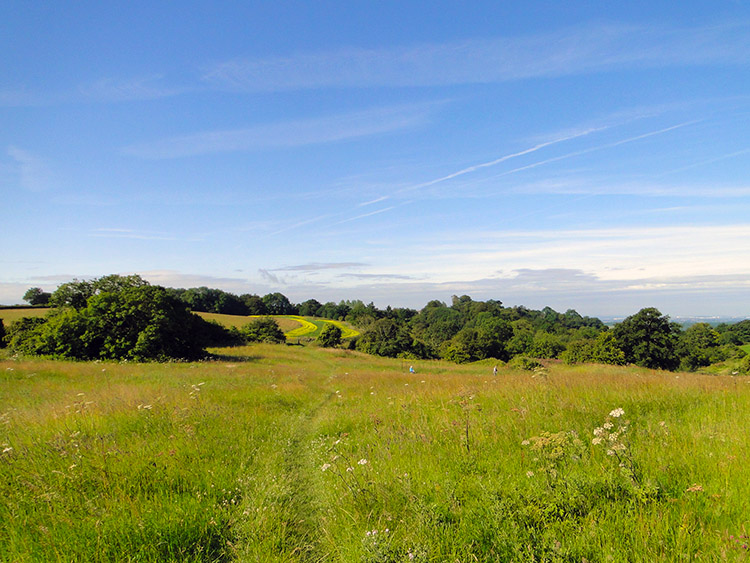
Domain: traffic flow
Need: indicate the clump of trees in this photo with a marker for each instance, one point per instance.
(116, 318)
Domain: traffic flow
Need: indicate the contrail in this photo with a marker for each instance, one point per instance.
(501, 159)
(599, 148)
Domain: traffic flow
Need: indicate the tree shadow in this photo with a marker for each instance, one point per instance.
(232, 358)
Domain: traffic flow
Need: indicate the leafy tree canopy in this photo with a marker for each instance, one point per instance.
(140, 322)
(264, 329)
(648, 339)
(35, 296)
(330, 336)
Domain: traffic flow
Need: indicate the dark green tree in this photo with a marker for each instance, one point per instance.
(255, 304)
(310, 308)
(698, 346)
(35, 296)
(264, 329)
(278, 304)
(77, 292)
(385, 337)
(3, 343)
(330, 336)
(648, 339)
(546, 345)
(435, 325)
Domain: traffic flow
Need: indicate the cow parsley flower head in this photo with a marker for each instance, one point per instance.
(617, 413)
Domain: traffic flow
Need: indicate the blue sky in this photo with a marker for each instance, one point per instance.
(587, 155)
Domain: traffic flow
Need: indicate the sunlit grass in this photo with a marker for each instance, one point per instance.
(281, 453)
(9, 316)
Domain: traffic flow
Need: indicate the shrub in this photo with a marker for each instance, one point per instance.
(264, 329)
(522, 362)
(330, 336)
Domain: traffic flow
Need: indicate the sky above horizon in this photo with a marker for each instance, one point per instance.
(592, 156)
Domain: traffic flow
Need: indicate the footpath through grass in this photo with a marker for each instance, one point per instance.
(303, 454)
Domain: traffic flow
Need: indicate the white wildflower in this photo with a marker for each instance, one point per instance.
(617, 413)
(525, 443)
(325, 467)
(598, 431)
(529, 474)
(608, 425)
(596, 441)
(362, 461)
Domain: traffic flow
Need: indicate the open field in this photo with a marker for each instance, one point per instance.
(10, 316)
(283, 453)
(286, 323)
(294, 326)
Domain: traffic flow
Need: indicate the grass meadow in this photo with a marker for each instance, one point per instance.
(288, 453)
(295, 327)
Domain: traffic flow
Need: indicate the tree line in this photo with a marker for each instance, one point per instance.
(105, 317)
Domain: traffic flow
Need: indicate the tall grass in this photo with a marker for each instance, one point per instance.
(304, 454)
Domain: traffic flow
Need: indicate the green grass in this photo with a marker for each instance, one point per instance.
(224, 461)
(745, 348)
(9, 316)
(295, 327)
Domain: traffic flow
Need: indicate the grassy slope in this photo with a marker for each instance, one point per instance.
(224, 461)
(10, 316)
(294, 326)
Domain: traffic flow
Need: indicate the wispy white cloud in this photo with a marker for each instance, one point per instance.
(370, 214)
(33, 172)
(318, 266)
(648, 188)
(584, 49)
(121, 90)
(130, 234)
(289, 134)
(174, 278)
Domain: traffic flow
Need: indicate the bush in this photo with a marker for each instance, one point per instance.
(264, 329)
(330, 336)
(578, 352)
(522, 362)
(2, 334)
